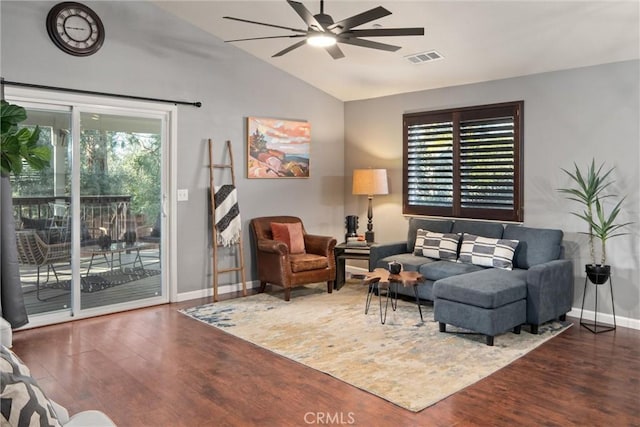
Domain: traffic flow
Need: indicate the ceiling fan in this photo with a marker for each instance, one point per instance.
(322, 31)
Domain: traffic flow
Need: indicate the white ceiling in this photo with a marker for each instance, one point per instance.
(479, 40)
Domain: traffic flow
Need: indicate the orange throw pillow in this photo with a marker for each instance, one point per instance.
(291, 234)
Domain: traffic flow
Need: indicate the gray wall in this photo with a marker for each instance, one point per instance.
(572, 115)
(148, 52)
(569, 116)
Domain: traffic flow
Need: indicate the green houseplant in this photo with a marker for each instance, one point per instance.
(16, 145)
(589, 190)
(20, 144)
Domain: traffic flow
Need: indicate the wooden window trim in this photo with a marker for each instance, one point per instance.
(456, 116)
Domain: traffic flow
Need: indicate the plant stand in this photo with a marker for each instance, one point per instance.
(594, 326)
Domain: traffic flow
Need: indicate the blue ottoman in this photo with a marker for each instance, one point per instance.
(490, 301)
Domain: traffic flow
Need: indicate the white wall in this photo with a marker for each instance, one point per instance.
(150, 53)
(569, 116)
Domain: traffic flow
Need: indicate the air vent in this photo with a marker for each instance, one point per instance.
(419, 58)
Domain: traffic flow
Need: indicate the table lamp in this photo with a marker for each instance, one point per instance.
(370, 182)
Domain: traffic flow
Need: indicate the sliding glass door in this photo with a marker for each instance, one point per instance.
(92, 226)
(41, 201)
(120, 207)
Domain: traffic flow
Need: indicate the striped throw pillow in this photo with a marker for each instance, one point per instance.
(437, 245)
(487, 252)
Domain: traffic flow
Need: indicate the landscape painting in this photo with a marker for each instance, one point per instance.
(277, 148)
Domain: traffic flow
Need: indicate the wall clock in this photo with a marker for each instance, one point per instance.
(75, 28)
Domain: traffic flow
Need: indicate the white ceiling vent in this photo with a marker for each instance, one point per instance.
(419, 58)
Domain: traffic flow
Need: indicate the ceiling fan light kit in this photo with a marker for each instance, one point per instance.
(321, 40)
(322, 31)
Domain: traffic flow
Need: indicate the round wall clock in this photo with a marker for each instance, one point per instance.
(75, 28)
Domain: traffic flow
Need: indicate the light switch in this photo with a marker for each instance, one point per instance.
(183, 195)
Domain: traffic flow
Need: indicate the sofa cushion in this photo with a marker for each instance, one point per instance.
(435, 225)
(497, 253)
(23, 402)
(437, 245)
(479, 228)
(410, 262)
(489, 288)
(537, 245)
(440, 269)
(291, 234)
(306, 262)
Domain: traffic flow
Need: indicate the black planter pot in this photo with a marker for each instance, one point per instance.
(104, 242)
(597, 273)
(130, 237)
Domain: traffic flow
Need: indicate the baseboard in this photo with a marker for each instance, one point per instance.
(223, 289)
(625, 322)
(606, 318)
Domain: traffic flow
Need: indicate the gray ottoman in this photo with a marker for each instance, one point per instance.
(490, 301)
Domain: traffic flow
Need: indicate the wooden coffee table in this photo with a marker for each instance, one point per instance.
(382, 276)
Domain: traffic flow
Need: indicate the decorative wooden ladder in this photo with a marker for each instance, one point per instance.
(214, 232)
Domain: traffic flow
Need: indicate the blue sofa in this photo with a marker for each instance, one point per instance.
(537, 289)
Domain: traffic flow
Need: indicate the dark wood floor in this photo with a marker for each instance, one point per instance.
(156, 367)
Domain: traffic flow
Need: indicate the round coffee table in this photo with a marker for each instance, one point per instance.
(382, 276)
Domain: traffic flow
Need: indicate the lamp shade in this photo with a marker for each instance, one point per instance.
(370, 182)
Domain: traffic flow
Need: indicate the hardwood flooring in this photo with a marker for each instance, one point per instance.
(157, 367)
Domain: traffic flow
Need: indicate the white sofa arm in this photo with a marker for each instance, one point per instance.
(90, 418)
(6, 334)
(82, 419)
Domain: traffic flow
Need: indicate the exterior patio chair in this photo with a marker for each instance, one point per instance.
(32, 250)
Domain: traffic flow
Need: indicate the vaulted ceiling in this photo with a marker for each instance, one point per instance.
(478, 40)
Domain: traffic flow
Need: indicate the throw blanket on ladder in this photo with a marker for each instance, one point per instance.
(227, 214)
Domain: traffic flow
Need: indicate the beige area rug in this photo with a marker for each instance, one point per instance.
(405, 361)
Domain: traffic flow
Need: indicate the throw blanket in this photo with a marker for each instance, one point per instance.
(227, 214)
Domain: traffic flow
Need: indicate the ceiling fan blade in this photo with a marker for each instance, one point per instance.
(306, 16)
(385, 32)
(361, 18)
(269, 37)
(368, 43)
(290, 48)
(266, 25)
(335, 52)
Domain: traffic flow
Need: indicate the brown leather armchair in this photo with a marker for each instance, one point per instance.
(276, 265)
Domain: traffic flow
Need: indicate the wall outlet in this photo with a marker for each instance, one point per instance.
(183, 195)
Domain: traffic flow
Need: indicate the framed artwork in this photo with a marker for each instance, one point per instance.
(277, 148)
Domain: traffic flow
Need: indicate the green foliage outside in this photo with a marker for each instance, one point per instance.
(112, 163)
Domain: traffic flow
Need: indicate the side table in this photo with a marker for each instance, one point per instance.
(343, 252)
(382, 276)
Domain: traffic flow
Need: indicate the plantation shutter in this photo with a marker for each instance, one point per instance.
(464, 163)
(429, 165)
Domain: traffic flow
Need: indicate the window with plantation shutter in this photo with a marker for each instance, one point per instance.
(464, 163)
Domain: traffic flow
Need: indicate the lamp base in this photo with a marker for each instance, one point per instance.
(368, 236)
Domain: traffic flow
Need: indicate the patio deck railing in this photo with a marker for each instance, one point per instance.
(110, 213)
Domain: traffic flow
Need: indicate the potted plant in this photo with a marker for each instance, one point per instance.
(590, 191)
(16, 145)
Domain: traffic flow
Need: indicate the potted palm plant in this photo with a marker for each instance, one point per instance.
(590, 192)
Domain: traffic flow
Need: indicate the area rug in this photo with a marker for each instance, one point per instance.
(405, 361)
(105, 280)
